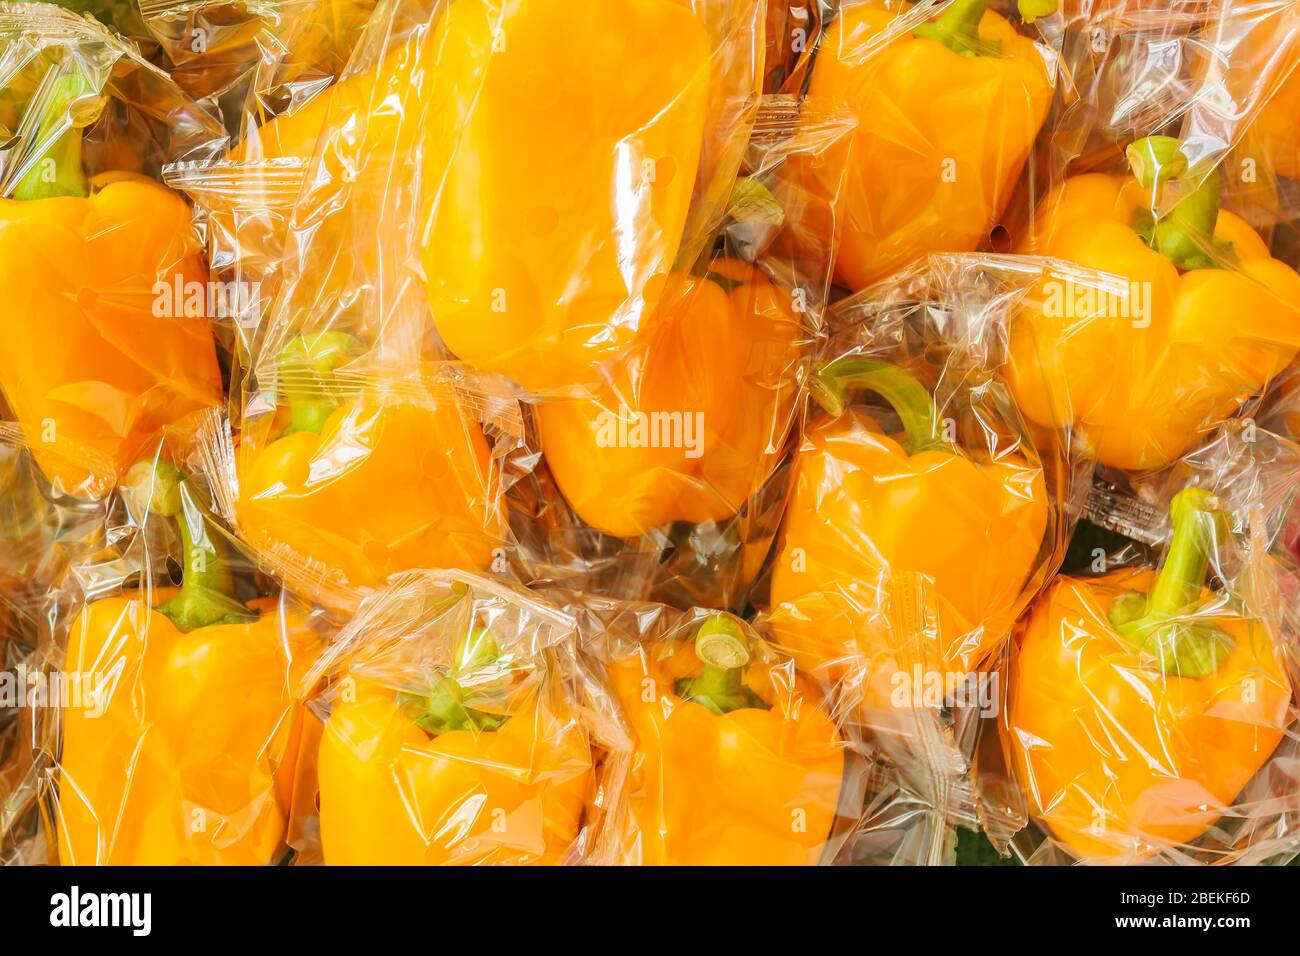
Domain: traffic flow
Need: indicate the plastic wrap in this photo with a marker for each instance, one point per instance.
(679, 453)
(174, 723)
(42, 535)
(920, 526)
(1151, 713)
(423, 134)
(349, 457)
(1140, 185)
(106, 257)
(736, 758)
(950, 98)
(352, 478)
(1191, 332)
(460, 727)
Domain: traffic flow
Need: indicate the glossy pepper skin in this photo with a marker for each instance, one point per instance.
(734, 762)
(410, 780)
(712, 381)
(898, 552)
(186, 754)
(947, 114)
(1277, 127)
(538, 272)
(1141, 705)
(350, 494)
(1140, 375)
(95, 358)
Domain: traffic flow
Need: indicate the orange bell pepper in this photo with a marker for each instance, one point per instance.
(1142, 703)
(180, 747)
(1206, 320)
(691, 422)
(349, 493)
(540, 276)
(900, 552)
(105, 340)
(734, 762)
(946, 116)
(485, 765)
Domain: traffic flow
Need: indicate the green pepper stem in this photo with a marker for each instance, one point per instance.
(1184, 234)
(720, 689)
(306, 364)
(207, 587)
(67, 177)
(913, 405)
(1188, 649)
(444, 710)
(958, 28)
(721, 642)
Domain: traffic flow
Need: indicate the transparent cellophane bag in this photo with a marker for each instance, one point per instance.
(1200, 69)
(918, 528)
(950, 100)
(458, 725)
(1149, 174)
(41, 536)
(431, 96)
(168, 730)
(667, 482)
(108, 257)
(731, 755)
(352, 452)
(1168, 732)
(225, 54)
(384, 475)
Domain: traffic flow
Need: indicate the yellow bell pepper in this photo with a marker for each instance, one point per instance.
(485, 766)
(537, 275)
(691, 422)
(734, 762)
(349, 493)
(900, 552)
(946, 116)
(1206, 319)
(104, 341)
(180, 740)
(1142, 703)
(538, 271)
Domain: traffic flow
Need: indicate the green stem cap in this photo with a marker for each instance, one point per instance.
(721, 645)
(444, 710)
(306, 365)
(1186, 235)
(57, 171)
(958, 28)
(207, 589)
(1152, 621)
(914, 405)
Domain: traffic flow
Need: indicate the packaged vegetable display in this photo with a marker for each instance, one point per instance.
(647, 433)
